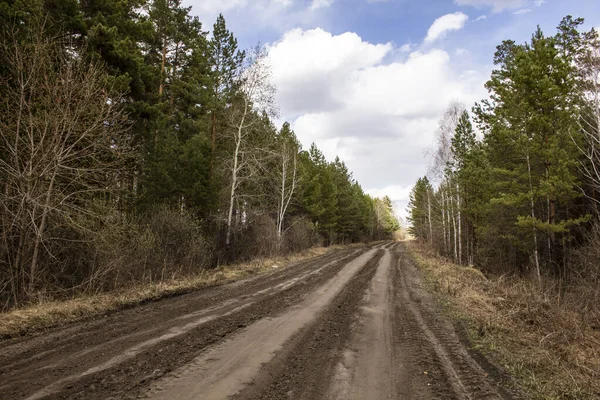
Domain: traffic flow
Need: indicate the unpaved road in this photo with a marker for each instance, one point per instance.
(354, 324)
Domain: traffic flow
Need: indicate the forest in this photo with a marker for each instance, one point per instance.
(136, 145)
(514, 183)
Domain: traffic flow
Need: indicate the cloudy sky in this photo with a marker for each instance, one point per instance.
(369, 79)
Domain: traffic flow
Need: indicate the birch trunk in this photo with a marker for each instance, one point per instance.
(535, 239)
(454, 228)
(429, 218)
(285, 198)
(444, 223)
(234, 172)
(458, 205)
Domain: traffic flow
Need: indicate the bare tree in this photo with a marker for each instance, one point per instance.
(589, 121)
(256, 97)
(439, 172)
(441, 155)
(61, 140)
(286, 174)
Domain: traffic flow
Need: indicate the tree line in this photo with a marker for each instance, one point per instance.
(137, 146)
(520, 193)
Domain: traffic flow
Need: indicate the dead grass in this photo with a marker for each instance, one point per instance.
(44, 315)
(550, 344)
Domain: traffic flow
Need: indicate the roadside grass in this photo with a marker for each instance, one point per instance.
(548, 343)
(37, 317)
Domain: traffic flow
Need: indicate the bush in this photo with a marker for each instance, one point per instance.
(300, 236)
(164, 244)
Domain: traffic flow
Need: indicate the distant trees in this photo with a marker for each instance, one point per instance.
(513, 200)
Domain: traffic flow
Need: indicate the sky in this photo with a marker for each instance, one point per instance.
(368, 80)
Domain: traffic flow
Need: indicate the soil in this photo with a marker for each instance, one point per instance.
(353, 324)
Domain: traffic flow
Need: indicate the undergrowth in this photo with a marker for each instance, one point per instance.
(546, 339)
(47, 314)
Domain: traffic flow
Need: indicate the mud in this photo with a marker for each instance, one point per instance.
(354, 324)
(119, 355)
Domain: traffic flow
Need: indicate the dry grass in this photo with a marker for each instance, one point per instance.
(550, 344)
(53, 313)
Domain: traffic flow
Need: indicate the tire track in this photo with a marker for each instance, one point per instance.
(120, 364)
(442, 368)
(306, 366)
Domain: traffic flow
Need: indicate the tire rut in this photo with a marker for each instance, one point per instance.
(306, 367)
(95, 345)
(434, 363)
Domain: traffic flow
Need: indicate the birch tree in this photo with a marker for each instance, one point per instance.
(286, 174)
(589, 120)
(255, 98)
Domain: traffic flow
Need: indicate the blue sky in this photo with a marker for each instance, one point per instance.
(368, 80)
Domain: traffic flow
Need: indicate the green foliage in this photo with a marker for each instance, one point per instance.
(419, 209)
(514, 199)
(179, 90)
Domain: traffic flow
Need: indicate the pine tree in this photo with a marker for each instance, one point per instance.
(226, 62)
(528, 127)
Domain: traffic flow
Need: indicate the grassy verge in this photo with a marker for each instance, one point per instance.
(547, 343)
(41, 316)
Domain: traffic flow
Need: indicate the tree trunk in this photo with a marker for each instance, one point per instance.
(536, 256)
(458, 205)
(234, 176)
(448, 221)
(39, 235)
(454, 228)
(444, 223)
(162, 67)
(429, 218)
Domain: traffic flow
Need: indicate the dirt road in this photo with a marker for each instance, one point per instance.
(354, 324)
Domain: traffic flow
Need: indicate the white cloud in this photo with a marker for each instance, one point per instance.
(497, 5)
(522, 11)
(316, 4)
(405, 48)
(444, 24)
(461, 52)
(342, 93)
(308, 67)
(481, 17)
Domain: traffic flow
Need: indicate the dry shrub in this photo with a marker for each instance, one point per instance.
(300, 236)
(587, 274)
(52, 313)
(257, 239)
(166, 244)
(548, 338)
(120, 251)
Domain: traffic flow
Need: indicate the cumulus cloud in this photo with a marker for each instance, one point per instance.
(345, 94)
(308, 67)
(444, 24)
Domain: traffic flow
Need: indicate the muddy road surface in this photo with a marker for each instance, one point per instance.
(353, 324)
